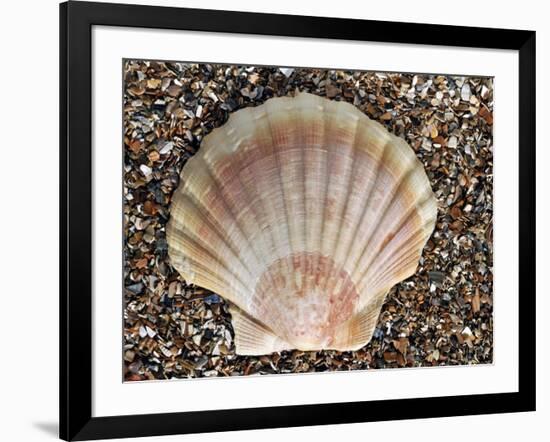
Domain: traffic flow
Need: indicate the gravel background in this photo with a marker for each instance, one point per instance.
(440, 316)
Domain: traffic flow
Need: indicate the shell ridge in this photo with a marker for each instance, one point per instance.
(380, 216)
(277, 154)
(420, 241)
(368, 256)
(304, 209)
(393, 225)
(344, 209)
(357, 331)
(341, 210)
(267, 210)
(272, 240)
(211, 257)
(297, 205)
(205, 277)
(317, 256)
(397, 262)
(263, 258)
(294, 205)
(327, 123)
(213, 225)
(188, 197)
(398, 228)
(356, 227)
(253, 337)
(366, 207)
(298, 119)
(403, 262)
(212, 219)
(354, 165)
(216, 226)
(298, 229)
(365, 321)
(260, 257)
(183, 266)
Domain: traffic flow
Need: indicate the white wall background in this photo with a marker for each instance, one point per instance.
(29, 217)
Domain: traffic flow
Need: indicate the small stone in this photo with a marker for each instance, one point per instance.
(150, 332)
(287, 72)
(166, 148)
(153, 83)
(135, 288)
(201, 362)
(146, 170)
(452, 142)
(331, 90)
(142, 331)
(437, 277)
(212, 299)
(465, 92)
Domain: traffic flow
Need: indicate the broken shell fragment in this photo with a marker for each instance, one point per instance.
(303, 213)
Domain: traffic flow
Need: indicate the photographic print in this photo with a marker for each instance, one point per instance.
(284, 220)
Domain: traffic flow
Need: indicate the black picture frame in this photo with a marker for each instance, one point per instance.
(76, 21)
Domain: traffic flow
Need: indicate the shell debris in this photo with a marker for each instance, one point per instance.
(416, 327)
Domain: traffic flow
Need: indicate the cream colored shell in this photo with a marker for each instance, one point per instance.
(303, 213)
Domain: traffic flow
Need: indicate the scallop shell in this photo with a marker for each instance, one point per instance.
(303, 213)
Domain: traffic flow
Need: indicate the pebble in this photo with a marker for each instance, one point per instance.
(465, 92)
(287, 72)
(453, 142)
(146, 170)
(166, 148)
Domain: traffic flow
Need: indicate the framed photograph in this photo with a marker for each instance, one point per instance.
(274, 220)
